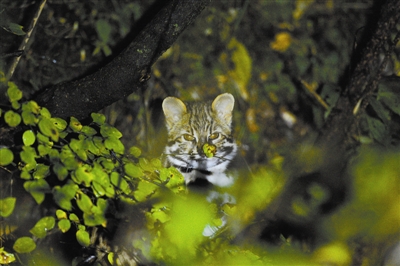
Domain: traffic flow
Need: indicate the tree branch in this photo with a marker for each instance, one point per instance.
(129, 71)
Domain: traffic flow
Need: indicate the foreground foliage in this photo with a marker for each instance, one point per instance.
(82, 175)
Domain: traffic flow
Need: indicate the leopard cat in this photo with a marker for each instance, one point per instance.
(200, 143)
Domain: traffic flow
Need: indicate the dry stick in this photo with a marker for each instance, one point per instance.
(26, 39)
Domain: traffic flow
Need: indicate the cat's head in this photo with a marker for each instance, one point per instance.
(200, 130)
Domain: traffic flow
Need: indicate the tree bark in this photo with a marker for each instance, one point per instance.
(341, 125)
(129, 71)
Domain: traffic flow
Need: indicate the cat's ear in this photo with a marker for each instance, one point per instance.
(223, 106)
(174, 109)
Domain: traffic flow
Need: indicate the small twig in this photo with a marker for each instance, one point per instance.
(26, 39)
(315, 95)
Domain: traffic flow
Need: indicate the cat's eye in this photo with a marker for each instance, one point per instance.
(213, 136)
(188, 137)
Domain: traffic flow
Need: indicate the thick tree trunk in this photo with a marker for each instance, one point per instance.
(129, 71)
(341, 125)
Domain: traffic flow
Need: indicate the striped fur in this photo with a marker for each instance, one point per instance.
(190, 126)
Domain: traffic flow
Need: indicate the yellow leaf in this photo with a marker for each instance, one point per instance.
(282, 42)
(241, 74)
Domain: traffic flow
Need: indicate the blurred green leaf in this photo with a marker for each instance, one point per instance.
(38, 189)
(15, 29)
(75, 125)
(83, 237)
(63, 195)
(144, 190)
(114, 144)
(88, 131)
(133, 170)
(64, 225)
(103, 29)
(48, 128)
(390, 99)
(14, 94)
(24, 245)
(135, 151)
(109, 131)
(60, 171)
(74, 218)
(118, 181)
(59, 123)
(7, 206)
(6, 156)
(98, 118)
(96, 216)
(84, 202)
(83, 175)
(28, 137)
(12, 118)
(6, 257)
(61, 214)
(43, 226)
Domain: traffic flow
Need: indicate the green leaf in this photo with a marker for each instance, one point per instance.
(391, 100)
(37, 188)
(108, 164)
(83, 237)
(60, 171)
(25, 174)
(6, 257)
(75, 125)
(68, 158)
(146, 165)
(7, 206)
(42, 139)
(78, 147)
(28, 137)
(135, 151)
(380, 110)
(209, 150)
(24, 245)
(103, 29)
(97, 214)
(28, 155)
(376, 128)
(133, 170)
(48, 128)
(74, 218)
(114, 144)
(44, 112)
(31, 106)
(6, 156)
(12, 119)
(109, 131)
(83, 175)
(118, 181)
(15, 29)
(101, 182)
(88, 131)
(43, 226)
(14, 94)
(84, 202)
(64, 225)
(29, 118)
(59, 123)
(64, 195)
(144, 190)
(41, 171)
(61, 214)
(98, 118)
